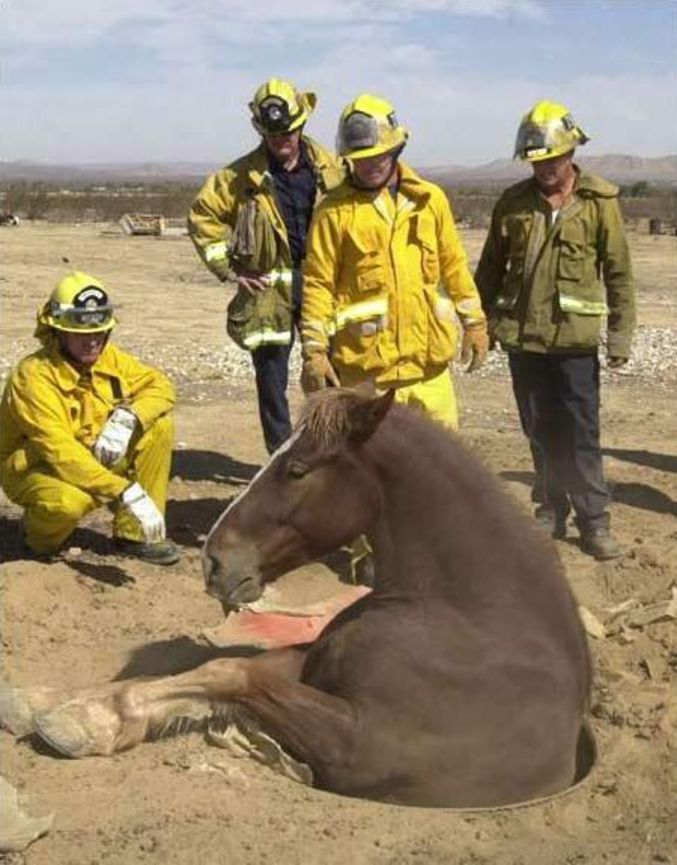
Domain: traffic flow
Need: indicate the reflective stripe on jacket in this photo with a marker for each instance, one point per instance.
(549, 287)
(236, 220)
(384, 280)
(51, 416)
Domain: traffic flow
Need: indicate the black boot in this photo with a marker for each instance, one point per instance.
(553, 521)
(159, 553)
(599, 544)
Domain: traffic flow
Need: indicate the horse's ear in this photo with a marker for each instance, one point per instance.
(366, 414)
(366, 388)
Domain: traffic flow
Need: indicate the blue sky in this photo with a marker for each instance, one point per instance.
(85, 81)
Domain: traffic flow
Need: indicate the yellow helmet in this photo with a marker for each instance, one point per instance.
(78, 304)
(278, 107)
(368, 127)
(546, 131)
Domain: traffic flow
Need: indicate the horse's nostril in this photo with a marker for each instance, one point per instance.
(213, 572)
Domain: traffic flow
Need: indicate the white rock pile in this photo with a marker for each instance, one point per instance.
(654, 360)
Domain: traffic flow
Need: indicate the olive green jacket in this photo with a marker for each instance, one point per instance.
(549, 288)
(236, 221)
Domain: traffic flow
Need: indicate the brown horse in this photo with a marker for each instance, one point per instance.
(461, 680)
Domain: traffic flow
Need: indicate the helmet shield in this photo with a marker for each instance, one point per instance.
(362, 135)
(545, 140)
(359, 131)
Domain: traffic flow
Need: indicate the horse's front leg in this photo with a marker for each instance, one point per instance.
(122, 714)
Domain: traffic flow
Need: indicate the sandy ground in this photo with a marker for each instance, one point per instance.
(94, 617)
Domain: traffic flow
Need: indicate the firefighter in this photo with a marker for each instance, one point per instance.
(85, 424)
(386, 279)
(554, 275)
(249, 224)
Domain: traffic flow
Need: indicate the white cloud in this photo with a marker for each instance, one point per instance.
(77, 21)
(208, 58)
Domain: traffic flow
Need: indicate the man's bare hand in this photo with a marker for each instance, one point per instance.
(251, 281)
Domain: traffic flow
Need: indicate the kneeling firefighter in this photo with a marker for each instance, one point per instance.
(85, 424)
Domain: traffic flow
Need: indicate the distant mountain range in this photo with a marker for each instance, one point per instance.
(617, 167)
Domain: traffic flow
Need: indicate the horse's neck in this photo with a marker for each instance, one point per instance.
(425, 542)
(407, 553)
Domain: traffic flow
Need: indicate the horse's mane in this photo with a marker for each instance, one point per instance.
(326, 416)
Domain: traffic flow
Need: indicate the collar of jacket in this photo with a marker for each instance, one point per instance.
(411, 185)
(67, 376)
(259, 175)
(586, 185)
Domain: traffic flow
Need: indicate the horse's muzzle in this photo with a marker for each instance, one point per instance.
(234, 578)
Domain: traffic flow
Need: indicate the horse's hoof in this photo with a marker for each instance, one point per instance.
(16, 714)
(79, 729)
(18, 706)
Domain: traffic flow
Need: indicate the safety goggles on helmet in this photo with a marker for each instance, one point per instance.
(90, 312)
(83, 319)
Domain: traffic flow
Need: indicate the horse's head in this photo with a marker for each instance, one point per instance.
(316, 493)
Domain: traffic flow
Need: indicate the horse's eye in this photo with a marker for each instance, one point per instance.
(296, 469)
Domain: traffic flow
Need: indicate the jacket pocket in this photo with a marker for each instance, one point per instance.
(260, 319)
(572, 252)
(579, 290)
(370, 277)
(363, 267)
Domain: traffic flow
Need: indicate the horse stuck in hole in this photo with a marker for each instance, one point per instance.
(461, 680)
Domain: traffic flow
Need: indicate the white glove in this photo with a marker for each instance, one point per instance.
(145, 510)
(111, 445)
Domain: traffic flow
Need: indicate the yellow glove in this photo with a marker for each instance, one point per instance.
(475, 345)
(318, 373)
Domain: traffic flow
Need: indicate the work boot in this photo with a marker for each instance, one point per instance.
(599, 544)
(552, 521)
(159, 553)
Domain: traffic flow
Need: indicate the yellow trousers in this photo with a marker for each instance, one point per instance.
(434, 396)
(53, 508)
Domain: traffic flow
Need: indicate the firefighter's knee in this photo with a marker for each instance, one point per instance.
(158, 437)
(62, 502)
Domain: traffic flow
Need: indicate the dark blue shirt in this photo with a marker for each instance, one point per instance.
(295, 191)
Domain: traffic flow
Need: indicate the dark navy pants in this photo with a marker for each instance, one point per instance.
(271, 367)
(558, 402)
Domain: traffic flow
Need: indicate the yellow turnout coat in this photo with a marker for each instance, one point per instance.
(51, 416)
(384, 281)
